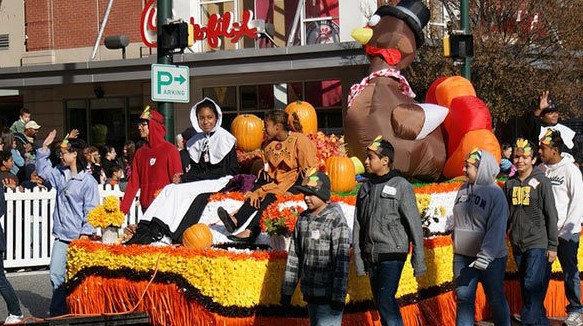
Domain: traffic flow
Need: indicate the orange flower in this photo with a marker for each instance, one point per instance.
(280, 221)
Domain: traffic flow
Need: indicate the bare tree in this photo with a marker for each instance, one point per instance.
(520, 49)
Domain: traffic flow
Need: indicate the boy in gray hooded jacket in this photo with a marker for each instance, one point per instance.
(386, 222)
(480, 215)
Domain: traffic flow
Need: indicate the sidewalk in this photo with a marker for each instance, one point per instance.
(555, 321)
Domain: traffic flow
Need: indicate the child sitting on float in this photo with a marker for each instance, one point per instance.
(287, 156)
(213, 163)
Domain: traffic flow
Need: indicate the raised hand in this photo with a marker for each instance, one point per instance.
(73, 134)
(544, 100)
(49, 140)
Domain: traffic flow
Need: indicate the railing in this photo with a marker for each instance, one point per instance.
(28, 224)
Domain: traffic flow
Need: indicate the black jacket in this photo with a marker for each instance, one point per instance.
(533, 215)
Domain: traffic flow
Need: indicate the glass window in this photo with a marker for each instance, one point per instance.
(326, 93)
(106, 120)
(257, 97)
(209, 8)
(77, 117)
(325, 96)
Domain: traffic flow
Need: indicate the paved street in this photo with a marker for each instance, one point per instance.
(34, 291)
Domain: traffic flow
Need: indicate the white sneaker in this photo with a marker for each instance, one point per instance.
(574, 319)
(13, 319)
(165, 241)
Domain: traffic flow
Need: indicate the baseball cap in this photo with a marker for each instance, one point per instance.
(32, 125)
(316, 183)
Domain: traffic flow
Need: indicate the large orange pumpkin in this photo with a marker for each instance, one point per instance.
(306, 114)
(198, 236)
(341, 172)
(248, 129)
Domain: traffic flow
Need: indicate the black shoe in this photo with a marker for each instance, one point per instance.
(138, 237)
(247, 240)
(156, 232)
(226, 219)
(146, 234)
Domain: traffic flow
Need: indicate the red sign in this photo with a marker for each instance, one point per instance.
(216, 28)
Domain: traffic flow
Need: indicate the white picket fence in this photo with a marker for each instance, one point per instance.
(28, 223)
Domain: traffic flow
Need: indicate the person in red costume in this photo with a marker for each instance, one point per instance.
(154, 164)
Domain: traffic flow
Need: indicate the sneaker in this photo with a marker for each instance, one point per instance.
(13, 319)
(165, 241)
(574, 319)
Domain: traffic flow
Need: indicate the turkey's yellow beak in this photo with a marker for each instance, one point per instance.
(362, 35)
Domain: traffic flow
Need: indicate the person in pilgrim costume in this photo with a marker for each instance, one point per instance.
(213, 162)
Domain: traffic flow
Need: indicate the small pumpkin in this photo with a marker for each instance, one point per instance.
(248, 129)
(341, 172)
(306, 114)
(198, 236)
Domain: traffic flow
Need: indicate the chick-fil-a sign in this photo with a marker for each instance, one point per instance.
(216, 28)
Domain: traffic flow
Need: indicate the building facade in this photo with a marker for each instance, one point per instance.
(56, 64)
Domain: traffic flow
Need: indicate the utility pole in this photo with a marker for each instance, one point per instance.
(465, 22)
(164, 12)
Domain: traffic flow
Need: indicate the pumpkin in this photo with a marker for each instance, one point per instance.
(306, 114)
(198, 236)
(341, 172)
(248, 129)
(358, 166)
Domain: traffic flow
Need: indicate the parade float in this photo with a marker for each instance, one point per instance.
(229, 284)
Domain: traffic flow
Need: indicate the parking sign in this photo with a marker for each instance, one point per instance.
(170, 83)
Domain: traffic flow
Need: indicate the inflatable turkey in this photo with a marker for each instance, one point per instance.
(383, 103)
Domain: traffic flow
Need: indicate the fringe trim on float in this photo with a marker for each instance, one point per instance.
(168, 304)
(77, 288)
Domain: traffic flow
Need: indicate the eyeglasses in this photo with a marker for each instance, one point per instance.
(143, 124)
(61, 154)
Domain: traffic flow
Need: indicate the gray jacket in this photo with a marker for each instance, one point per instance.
(386, 222)
(480, 215)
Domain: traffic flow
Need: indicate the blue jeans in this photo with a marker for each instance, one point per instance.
(466, 282)
(567, 254)
(7, 291)
(384, 282)
(324, 315)
(58, 268)
(534, 271)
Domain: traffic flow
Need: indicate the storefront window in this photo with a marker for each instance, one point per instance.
(105, 121)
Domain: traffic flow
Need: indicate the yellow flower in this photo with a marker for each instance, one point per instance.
(111, 203)
(107, 214)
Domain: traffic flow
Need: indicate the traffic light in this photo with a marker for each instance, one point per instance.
(190, 41)
(174, 36)
(458, 46)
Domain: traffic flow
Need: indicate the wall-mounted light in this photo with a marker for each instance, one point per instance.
(118, 42)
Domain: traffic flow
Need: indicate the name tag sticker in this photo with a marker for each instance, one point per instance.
(533, 183)
(389, 190)
(315, 234)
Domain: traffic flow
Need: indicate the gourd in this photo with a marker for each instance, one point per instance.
(248, 129)
(306, 114)
(341, 172)
(198, 236)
